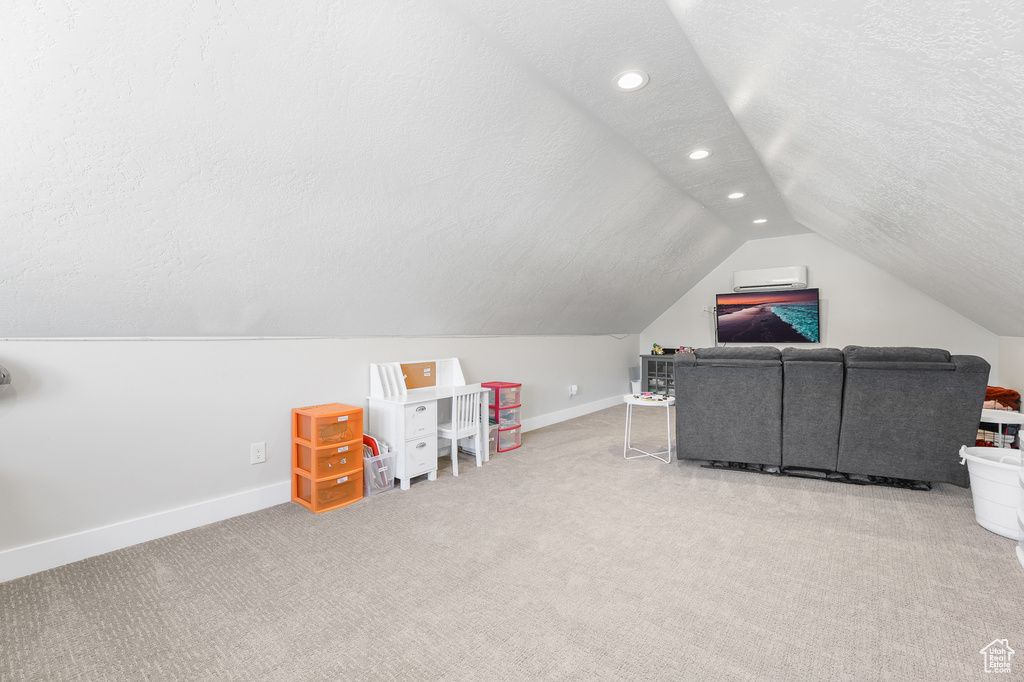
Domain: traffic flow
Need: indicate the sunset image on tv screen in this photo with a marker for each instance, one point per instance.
(768, 317)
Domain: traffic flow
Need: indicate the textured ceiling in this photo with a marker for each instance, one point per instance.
(894, 129)
(466, 167)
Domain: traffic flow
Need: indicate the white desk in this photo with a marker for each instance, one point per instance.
(408, 424)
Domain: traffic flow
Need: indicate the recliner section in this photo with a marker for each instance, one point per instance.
(859, 413)
(906, 409)
(733, 405)
(812, 401)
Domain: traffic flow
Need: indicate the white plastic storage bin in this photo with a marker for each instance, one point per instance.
(505, 418)
(1020, 520)
(509, 439)
(492, 441)
(1020, 542)
(378, 473)
(995, 487)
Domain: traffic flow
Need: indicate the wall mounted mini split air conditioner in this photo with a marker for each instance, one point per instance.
(791, 277)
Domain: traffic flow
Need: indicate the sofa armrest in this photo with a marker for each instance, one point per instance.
(970, 363)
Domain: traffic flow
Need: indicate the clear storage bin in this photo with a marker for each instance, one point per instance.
(509, 439)
(492, 441)
(378, 473)
(506, 418)
(503, 393)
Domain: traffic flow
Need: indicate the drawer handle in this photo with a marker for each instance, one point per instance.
(421, 445)
(421, 408)
(342, 479)
(344, 449)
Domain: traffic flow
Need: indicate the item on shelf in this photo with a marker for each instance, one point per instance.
(327, 461)
(657, 373)
(1002, 398)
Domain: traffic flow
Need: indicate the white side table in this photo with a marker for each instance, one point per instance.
(630, 401)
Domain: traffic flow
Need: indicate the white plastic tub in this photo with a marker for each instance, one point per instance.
(1020, 524)
(1020, 521)
(995, 486)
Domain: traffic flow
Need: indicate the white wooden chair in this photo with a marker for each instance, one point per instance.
(465, 423)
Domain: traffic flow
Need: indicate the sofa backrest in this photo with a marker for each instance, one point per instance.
(739, 356)
(729, 404)
(812, 399)
(907, 411)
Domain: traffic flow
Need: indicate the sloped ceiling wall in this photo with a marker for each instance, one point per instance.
(357, 168)
(894, 129)
(413, 168)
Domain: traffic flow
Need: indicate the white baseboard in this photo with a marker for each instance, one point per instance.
(573, 412)
(40, 556)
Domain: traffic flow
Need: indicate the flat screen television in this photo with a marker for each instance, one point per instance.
(768, 317)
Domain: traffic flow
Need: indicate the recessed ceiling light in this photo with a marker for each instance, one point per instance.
(737, 195)
(698, 154)
(631, 80)
(760, 220)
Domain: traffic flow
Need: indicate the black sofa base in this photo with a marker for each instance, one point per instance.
(798, 472)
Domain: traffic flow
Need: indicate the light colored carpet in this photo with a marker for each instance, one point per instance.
(557, 561)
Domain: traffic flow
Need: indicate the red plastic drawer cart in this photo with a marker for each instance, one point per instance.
(327, 456)
(505, 413)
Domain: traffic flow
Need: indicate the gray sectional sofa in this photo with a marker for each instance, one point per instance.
(869, 415)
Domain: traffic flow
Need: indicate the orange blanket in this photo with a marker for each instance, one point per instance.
(1006, 396)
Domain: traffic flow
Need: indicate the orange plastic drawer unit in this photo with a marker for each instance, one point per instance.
(324, 425)
(321, 496)
(330, 462)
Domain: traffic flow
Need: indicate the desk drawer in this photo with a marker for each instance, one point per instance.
(420, 419)
(420, 456)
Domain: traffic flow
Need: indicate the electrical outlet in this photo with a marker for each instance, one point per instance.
(257, 453)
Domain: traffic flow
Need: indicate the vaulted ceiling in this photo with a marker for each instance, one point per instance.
(377, 167)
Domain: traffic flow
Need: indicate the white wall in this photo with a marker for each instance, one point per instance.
(1011, 363)
(94, 433)
(860, 303)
